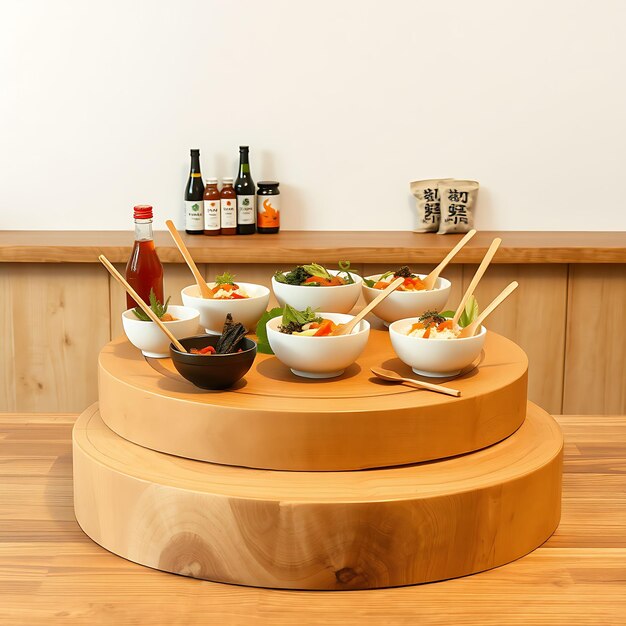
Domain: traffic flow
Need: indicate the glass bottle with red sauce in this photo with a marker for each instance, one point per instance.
(212, 208)
(144, 270)
(228, 201)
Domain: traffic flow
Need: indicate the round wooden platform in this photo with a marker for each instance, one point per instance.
(275, 420)
(316, 530)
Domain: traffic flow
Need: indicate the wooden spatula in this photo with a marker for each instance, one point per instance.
(482, 268)
(431, 279)
(470, 329)
(396, 378)
(144, 307)
(346, 329)
(205, 292)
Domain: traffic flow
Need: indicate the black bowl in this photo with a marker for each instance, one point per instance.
(215, 371)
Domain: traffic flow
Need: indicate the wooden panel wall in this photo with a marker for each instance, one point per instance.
(54, 318)
(595, 380)
(534, 317)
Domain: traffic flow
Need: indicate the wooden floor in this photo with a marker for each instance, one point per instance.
(51, 573)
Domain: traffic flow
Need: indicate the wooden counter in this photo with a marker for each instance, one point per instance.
(59, 306)
(51, 573)
(319, 246)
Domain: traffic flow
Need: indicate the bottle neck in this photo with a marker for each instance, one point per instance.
(195, 164)
(244, 163)
(143, 230)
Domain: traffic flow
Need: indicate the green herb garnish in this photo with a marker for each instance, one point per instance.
(295, 277)
(299, 317)
(293, 320)
(470, 313)
(299, 274)
(369, 282)
(225, 279)
(263, 344)
(344, 266)
(315, 269)
(158, 309)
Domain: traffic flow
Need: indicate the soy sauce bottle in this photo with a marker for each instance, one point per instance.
(194, 192)
(246, 196)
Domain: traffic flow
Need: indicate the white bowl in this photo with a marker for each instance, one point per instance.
(150, 339)
(318, 357)
(339, 299)
(402, 304)
(432, 357)
(248, 311)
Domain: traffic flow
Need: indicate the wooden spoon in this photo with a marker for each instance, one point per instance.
(146, 309)
(205, 292)
(470, 329)
(389, 375)
(346, 329)
(431, 279)
(482, 268)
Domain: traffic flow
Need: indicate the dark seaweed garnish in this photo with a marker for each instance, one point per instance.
(231, 337)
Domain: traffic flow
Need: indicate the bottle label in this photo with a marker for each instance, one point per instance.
(246, 209)
(229, 212)
(269, 211)
(194, 215)
(211, 215)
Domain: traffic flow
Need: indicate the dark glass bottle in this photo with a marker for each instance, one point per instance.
(144, 270)
(268, 203)
(194, 192)
(246, 196)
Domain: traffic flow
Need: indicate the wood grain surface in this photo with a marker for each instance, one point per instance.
(596, 334)
(319, 246)
(534, 317)
(274, 419)
(319, 530)
(53, 322)
(51, 573)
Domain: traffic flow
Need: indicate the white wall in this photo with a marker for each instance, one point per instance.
(344, 102)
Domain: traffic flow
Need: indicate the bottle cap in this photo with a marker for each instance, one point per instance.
(142, 212)
(268, 183)
(243, 148)
(210, 181)
(194, 152)
(227, 181)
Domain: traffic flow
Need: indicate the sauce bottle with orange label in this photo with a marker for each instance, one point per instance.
(212, 208)
(228, 207)
(268, 207)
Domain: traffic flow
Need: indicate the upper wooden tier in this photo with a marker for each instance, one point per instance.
(320, 246)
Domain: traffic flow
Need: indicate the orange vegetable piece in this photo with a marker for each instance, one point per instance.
(326, 327)
(325, 282)
(416, 326)
(426, 334)
(381, 284)
(418, 284)
(444, 325)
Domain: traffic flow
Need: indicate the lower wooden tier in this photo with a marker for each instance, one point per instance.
(311, 530)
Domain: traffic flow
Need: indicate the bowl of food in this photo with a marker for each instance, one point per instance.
(215, 361)
(431, 345)
(411, 299)
(317, 287)
(302, 340)
(144, 334)
(245, 301)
